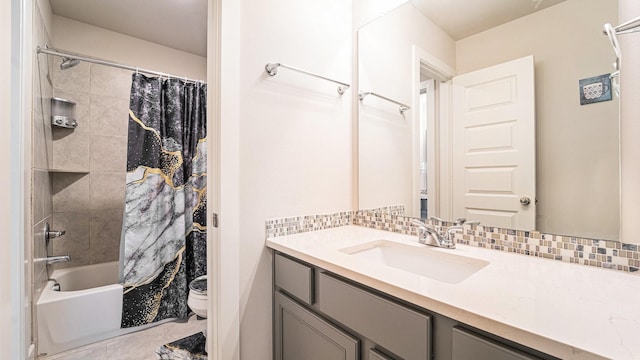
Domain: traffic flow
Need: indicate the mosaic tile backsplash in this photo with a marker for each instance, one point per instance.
(599, 253)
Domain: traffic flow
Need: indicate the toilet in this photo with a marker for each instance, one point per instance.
(197, 298)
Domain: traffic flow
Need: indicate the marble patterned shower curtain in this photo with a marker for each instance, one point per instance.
(164, 228)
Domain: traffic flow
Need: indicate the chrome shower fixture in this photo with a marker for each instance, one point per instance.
(68, 63)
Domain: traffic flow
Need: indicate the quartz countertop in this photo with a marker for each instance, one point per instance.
(566, 310)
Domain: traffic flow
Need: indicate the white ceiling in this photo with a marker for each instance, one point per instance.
(179, 24)
(463, 18)
(182, 24)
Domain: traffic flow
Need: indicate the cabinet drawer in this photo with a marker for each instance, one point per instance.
(467, 345)
(400, 330)
(294, 278)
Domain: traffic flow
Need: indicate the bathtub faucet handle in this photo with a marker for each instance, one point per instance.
(52, 234)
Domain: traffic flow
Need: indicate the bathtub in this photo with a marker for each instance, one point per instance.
(88, 308)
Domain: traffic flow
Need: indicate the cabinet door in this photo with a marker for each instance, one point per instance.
(300, 334)
(469, 346)
(375, 355)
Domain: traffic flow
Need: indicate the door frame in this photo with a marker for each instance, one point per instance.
(438, 133)
(16, 262)
(223, 267)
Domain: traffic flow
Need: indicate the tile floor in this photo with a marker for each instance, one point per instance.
(135, 346)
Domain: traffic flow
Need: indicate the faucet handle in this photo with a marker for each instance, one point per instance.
(435, 218)
(463, 221)
(418, 223)
(51, 234)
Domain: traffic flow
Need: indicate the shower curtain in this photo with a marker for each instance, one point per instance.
(163, 245)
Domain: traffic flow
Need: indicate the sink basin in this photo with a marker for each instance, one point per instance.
(426, 261)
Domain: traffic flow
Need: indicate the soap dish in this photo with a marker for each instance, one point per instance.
(63, 113)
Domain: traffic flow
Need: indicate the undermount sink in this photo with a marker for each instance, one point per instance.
(426, 261)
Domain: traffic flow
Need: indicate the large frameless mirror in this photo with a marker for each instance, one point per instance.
(445, 60)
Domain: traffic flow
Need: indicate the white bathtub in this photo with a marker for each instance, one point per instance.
(88, 308)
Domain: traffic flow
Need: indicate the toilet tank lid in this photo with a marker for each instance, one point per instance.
(199, 285)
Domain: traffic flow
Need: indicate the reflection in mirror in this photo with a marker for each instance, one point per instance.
(416, 55)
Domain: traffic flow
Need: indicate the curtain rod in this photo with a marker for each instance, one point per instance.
(55, 52)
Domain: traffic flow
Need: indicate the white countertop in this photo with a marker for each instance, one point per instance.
(566, 310)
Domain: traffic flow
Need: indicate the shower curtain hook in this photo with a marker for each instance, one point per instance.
(137, 71)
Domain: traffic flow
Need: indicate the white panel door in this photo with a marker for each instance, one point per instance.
(493, 145)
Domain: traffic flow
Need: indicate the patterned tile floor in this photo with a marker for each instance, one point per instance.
(135, 346)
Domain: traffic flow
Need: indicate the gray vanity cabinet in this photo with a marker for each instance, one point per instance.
(302, 335)
(319, 315)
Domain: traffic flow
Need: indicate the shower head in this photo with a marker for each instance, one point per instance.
(68, 63)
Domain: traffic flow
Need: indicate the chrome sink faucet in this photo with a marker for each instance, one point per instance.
(428, 236)
(431, 237)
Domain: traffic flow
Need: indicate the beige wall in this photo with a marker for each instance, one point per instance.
(387, 138)
(577, 146)
(89, 40)
(291, 134)
(629, 125)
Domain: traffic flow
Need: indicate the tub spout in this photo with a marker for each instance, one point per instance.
(57, 259)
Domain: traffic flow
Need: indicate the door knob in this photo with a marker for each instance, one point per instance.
(525, 200)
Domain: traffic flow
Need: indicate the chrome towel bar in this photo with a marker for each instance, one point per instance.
(402, 109)
(272, 70)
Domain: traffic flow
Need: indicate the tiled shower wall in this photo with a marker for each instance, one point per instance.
(41, 204)
(89, 163)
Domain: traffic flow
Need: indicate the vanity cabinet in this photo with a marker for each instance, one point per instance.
(321, 315)
(300, 334)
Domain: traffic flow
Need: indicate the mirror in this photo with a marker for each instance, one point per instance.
(406, 158)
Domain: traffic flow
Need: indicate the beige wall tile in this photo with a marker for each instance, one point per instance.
(76, 79)
(39, 253)
(41, 132)
(107, 191)
(106, 227)
(41, 195)
(39, 143)
(109, 116)
(108, 153)
(70, 150)
(109, 81)
(76, 239)
(71, 192)
(78, 256)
